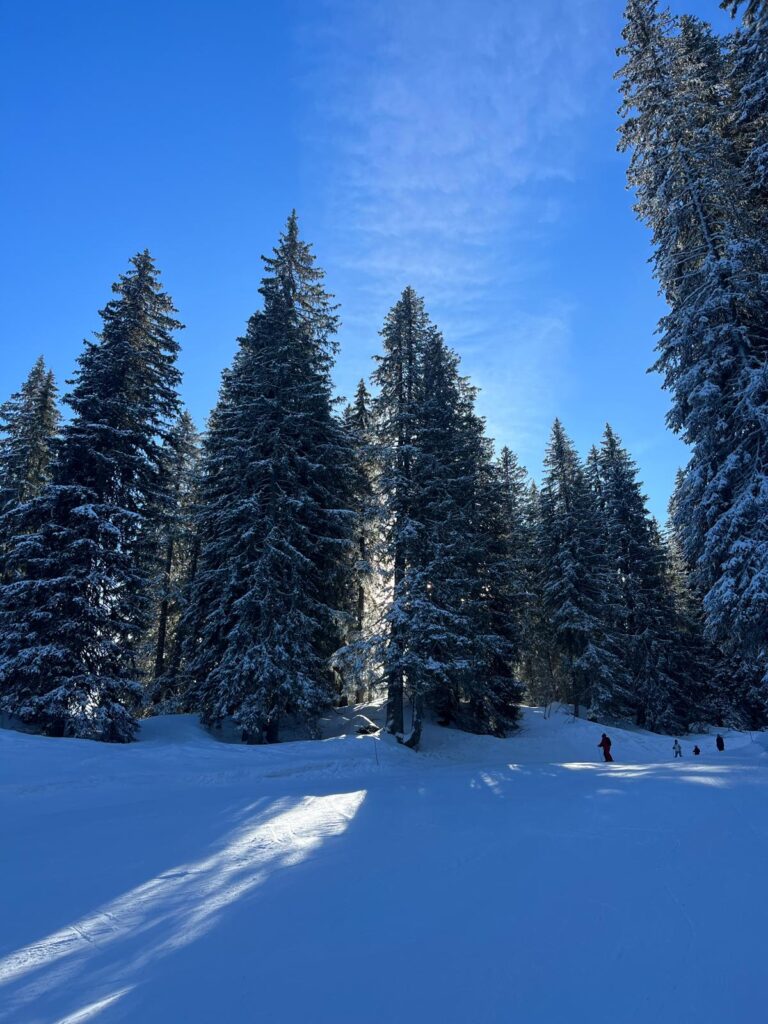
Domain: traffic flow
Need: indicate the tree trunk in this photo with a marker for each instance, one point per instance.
(361, 588)
(575, 693)
(177, 646)
(395, 674)
(162, 626)
(395, 702)
(414, 737)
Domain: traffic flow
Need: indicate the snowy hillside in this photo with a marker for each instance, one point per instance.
(181, 879)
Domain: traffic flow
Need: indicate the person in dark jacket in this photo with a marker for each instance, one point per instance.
(720, 742)
(605, 746)
(696, 751)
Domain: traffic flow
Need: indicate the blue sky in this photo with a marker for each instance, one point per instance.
(465, 147)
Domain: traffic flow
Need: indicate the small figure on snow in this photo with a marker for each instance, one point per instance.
(696, 751)
(605, 746)
(720, 742)
(678, 750)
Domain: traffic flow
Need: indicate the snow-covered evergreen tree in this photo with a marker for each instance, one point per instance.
(405, 333)
(711, 259)
(706, 688)
(519, 511)
(748, 79)
(518, 539)
(497, 540)
(643, 613)
(578, 597)
(275, 516)
(357, 660)
(539, 662)
(176, 552)
(453, 625)
(78, 603)
(725, 689)
(458, 604)
(29, 422)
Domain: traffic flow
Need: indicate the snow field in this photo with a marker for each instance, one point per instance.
(518, 880)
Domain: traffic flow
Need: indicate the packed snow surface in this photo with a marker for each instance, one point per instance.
(182, 879)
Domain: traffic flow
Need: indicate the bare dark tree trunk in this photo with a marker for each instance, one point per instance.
(361, 692)
(395, 702)
(395, 674)
(414, 737)
(162, 625)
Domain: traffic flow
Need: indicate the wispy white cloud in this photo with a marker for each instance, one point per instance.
(443, 128)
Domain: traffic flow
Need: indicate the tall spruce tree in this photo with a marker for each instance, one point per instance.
(275, 516)
(405, 333)
(577, 593)
(748, 80)
(78, 603)
(642, 610)
(499, 569)
(518, 539)
(356, 660)
(29, 421)
(710, 258)
(458, 588)
(518, 510)
(707, 684)
(539, 663)
(176, 549)
(452, 625)
(724, 688)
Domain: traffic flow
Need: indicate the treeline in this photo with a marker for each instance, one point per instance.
(295, 557)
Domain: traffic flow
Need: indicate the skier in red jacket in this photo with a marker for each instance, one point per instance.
(605, 745)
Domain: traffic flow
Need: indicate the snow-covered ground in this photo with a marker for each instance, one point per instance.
(181, 879)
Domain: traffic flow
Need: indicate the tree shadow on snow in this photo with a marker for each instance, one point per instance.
(103, 955)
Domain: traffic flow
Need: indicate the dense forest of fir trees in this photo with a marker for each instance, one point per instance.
(298, 556)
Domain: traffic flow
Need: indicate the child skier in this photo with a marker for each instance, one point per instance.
(678, 750)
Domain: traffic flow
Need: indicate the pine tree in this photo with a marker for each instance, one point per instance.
(704, 684)
(459, 630)
(356, 660)
(748, 79)
(517, 533)
(710, 258)
(539, 659)
(453, 628)
(405, 333)
(436, 626)
(724, 689)
(79, 601)
(176, 550)
(275, 517)
(29, 422)
(643, 612)
(499, 562)
(519, 506)
(578, 597)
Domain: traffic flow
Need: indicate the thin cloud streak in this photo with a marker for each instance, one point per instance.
(453, 126)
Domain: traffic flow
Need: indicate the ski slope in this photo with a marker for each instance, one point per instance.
(182, 879)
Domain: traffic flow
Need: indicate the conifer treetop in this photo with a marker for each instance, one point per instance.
(294, 284)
